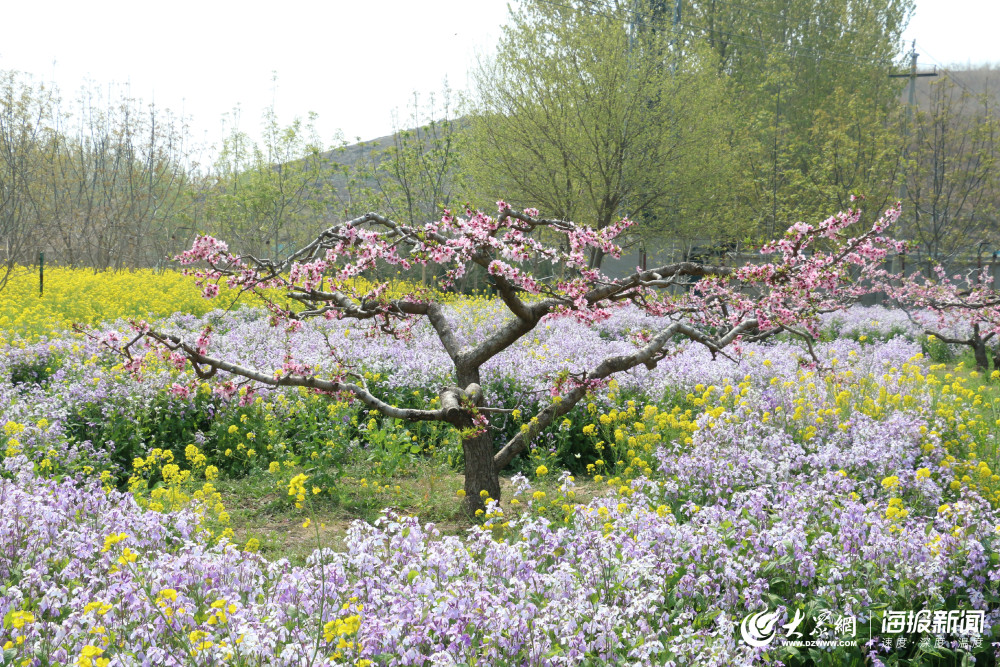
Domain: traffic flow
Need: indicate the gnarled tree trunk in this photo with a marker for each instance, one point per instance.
(980, 349)
(481, 473)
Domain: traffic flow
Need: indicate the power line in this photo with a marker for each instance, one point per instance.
(951, 73)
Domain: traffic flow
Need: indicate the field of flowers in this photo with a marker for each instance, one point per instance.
(643, 530)
(82, 296)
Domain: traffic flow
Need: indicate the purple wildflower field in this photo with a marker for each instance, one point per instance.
(724, 487)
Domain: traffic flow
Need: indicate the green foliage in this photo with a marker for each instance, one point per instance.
(268, 198)
(37, 370)
(589, 119)
(704, 127)
(818, 112)
(166, 423)
(937, 350)
(292, 430)
(389, 445)
(304, 430)
(853, 147)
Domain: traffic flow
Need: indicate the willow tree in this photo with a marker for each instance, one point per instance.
(810, 80)
(592, 113)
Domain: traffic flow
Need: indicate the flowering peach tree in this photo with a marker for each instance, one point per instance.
(813, 268)
(965, 309)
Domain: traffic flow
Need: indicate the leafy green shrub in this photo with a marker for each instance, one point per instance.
(168, 423)
(37, 370)
(937, 350)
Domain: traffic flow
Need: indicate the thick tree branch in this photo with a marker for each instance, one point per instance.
(173, 342)
(649, 355)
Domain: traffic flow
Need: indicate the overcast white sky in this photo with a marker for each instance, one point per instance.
(351, 62)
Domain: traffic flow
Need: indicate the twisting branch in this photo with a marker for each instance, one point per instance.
(198, 359)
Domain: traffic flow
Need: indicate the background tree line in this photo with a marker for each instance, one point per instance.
(711, 122)
(99, 182)
(109, 182)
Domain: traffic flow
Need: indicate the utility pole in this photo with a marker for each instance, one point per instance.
(911, 104)
(912, 76)
(673, 38)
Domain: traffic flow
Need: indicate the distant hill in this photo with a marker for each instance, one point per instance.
(349, 156)
(978, 80)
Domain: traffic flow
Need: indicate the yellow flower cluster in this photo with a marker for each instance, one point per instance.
(198, 641)
(166, 600)
(890, 483)
(195, 457)
(341, 629)
(10, 429)
(179, 489)
(297, 489)
(967, 425)
(98, 606)
(82, 296)
(896, 511)
(21, 618)
(219, 613)
(90, 656)
(962, 411)
(13, 446)
(630, 436)
(17, 621)
(112, 540)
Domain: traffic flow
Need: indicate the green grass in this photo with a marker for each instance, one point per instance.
(260, 508)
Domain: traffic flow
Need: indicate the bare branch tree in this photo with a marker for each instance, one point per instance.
(25, 116)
